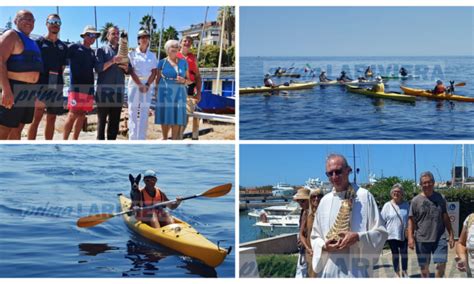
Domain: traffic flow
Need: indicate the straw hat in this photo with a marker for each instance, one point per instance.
(303, 193)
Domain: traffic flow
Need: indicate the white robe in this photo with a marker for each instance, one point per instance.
(359, 259)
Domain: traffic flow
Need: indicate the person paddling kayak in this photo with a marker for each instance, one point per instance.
(403, 72)
(156, 217)
(344, 77)
(323, 77)
(379, 87)
(268, 82)
(368, 72)
(439, 88)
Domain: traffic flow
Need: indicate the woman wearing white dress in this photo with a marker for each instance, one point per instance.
(140, 89)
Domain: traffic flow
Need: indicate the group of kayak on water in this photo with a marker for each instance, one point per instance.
(379, 86)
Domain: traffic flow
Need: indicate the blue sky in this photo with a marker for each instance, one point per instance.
(269, 164)
(76, 18)
(356, 31)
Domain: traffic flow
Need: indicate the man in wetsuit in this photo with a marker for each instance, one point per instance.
(344, 77)
(20, 66)
(323, 78)
(403, 72)
(51, 82)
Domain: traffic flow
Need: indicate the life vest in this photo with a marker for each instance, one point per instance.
(148, 200)
(27, 61)
(439, 89)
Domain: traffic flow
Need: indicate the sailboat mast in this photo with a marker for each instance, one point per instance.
(414, 162)
(462, 165)
(216, 86)
(202, 34)
(161, 33)
(355, 167)
(95, 19)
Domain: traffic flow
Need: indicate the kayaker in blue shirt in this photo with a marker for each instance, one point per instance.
(323, 77)
(344, 77)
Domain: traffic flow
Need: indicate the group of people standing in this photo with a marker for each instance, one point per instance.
(343, 232)
(32, 82)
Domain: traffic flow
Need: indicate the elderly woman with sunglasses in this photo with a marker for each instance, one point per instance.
(173, 76)
(395, 214)
(140, 91)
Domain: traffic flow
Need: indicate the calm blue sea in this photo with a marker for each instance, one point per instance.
(332, 113)
(44, 189)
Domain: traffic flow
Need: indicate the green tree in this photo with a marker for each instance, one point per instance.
(229, 21)
(209, 56)
(104, 30)
(230, 56)
(9, 25)
(148, 23)
(170, 33)
(381, 189)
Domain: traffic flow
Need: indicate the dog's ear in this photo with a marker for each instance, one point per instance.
(130, 177)
(139, 177)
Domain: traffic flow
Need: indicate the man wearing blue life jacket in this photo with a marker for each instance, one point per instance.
(20, 67)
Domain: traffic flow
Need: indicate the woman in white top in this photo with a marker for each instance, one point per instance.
(395, 214)
(465, 247)
(140, 89)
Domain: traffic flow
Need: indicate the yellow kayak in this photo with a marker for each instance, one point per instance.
(427, 94)
(179, 236)
(392, 96)
(290, 87)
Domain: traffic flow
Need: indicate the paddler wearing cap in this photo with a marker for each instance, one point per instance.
(140, 88)
(302, 197)
(149, 195)
(379, 87)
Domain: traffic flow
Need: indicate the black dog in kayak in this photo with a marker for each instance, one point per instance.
(135, 190)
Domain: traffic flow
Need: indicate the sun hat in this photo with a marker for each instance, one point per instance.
(302, 194)
(90, 30)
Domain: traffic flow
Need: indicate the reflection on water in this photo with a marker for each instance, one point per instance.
(94, 249)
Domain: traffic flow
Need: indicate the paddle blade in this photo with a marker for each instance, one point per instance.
(460, 84)
(218, 190)
(91, 221)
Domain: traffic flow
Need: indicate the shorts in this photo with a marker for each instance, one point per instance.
(80, 102)
(23, 110)
(53, 99)
(438, 249)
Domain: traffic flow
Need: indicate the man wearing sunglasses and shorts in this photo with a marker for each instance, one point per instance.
(82, 62)
(51, 82)
(355, 247)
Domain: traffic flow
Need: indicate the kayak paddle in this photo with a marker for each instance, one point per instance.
(91, 221)
(460, 84)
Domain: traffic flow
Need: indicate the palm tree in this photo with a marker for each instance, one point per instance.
(170, 33)
(104, 30)
(229, 21)
(148, 23)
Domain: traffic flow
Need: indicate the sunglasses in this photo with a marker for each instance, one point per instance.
(338, 172)
(149, 179)
(91, 35)
(56, 22)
